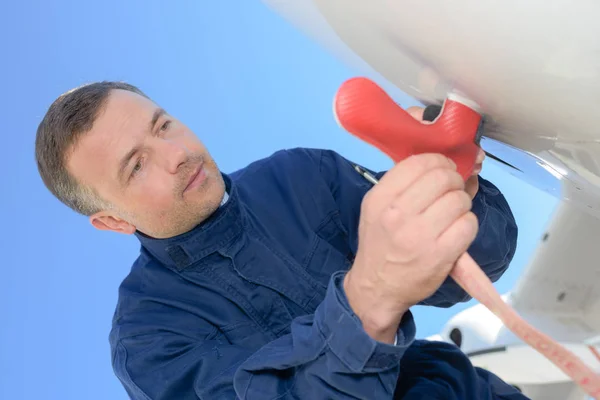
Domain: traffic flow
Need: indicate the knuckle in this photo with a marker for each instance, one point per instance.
(469, 225)
(430, 160)
(447, 178)
(459, 199)
(473, 221)
(389, 219)
(425, 161)
(417, 165)
(441, 177)
(393, 218)
(456, 180)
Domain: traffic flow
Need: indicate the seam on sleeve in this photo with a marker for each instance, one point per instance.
(122, 351)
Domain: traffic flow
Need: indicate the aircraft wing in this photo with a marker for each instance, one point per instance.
(558, 293)
(560, 289)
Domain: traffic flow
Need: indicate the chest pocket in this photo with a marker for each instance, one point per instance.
(266, 279)
(330, 252)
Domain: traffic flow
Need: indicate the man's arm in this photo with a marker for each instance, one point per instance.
(493, 248)
(327, 355)
(440, 370)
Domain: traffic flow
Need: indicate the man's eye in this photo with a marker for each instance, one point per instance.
(136, 168)
(165, 126)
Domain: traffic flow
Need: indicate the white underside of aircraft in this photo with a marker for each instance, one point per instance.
(533, 68)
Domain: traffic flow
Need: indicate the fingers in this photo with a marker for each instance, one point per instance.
(406, 173)
(444, 212)
(429, 188)
(453, 242)
(478, 162)
(416, 112)
(480, 157)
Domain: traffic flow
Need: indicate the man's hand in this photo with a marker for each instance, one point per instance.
(472, 184)
(413, 227)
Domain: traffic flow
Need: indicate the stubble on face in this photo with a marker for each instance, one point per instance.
(154, 201)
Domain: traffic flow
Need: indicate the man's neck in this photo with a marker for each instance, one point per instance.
(223, 201)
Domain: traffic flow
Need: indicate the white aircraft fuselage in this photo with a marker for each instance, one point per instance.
(532, 67)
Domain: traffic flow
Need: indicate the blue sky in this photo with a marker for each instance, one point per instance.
(243, 79)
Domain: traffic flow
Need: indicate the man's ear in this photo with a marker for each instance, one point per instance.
(107, 222)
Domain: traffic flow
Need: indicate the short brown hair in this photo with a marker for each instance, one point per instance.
(69, 116)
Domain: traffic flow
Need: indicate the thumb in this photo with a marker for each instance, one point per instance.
(416, 112)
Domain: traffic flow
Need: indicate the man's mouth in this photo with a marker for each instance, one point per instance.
(196, 178)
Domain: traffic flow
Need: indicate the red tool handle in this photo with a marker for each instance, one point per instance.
(366, 111)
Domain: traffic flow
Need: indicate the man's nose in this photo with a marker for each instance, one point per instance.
(173, 155)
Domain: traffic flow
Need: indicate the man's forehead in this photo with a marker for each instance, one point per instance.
(125, 114)
(124, 102)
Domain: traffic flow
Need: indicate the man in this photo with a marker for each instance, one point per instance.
(290, 278)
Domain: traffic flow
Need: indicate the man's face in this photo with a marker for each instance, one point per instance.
(151, 168)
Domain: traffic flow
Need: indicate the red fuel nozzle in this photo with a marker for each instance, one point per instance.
(366, 111)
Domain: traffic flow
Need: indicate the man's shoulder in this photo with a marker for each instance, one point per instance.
(145, 279)
(283, 158)
(287, 160)
(135, 282)
(154, 305)
(148, 291)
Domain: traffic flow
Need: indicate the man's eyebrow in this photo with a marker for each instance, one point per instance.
(159, 112)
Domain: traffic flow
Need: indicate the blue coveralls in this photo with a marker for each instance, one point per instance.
(250, 303)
